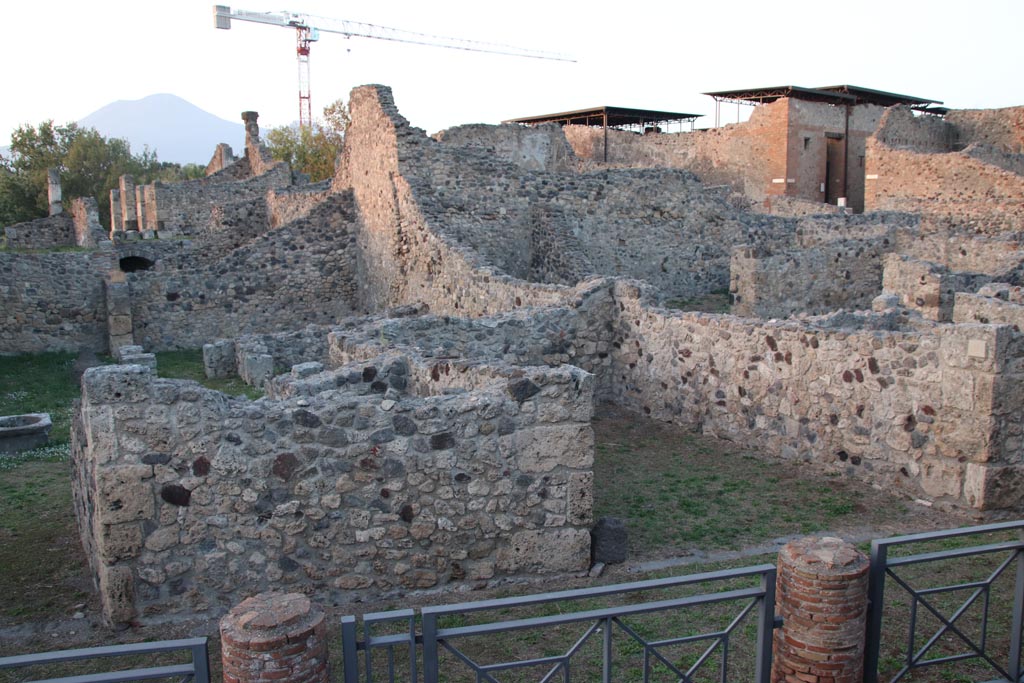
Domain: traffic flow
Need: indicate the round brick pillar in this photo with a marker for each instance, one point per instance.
(822, 597)
(274, 637)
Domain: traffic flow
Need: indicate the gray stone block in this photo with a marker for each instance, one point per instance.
(609, 541)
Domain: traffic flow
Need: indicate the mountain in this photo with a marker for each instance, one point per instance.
(177, 130)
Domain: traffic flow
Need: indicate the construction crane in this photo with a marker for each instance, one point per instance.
(308, 28)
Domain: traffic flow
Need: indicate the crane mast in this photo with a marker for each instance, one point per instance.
(308, 28)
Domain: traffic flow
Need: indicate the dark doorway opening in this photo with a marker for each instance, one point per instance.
(835, 168)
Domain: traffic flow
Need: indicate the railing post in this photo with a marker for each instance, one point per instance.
(822, 599)
(201, 662)
(765, 627)
(1018, 620)
(430, 663)
(606, 651)
(349, 650)
(876, 595)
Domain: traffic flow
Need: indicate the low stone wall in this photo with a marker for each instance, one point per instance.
(879, 397)
(926, 287)
(838, 274)
(41, 233)
(54, 301)
(188, 500)
(996, 304)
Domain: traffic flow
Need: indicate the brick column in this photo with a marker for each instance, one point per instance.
(822, 596)
(275, 637)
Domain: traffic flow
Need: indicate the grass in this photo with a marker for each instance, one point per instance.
(188, 364)
(39, 383)
(681, 492)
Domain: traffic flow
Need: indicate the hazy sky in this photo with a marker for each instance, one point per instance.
(63, 60)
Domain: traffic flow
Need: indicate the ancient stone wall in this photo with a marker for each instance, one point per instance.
(53, 301)
(928, 287)
(976, 195)
(532, 148)
(189, 500)
(875, 396)
(287, 278)
(287, 204)
(1000, 128)
(85, 220)
(403, 256)
(178, 209)
(748, 156)
(41, 233)
(900, 128)
(839, 274)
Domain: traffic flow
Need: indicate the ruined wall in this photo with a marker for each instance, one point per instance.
(85, 221)
(41, 233)
(819, 279)
(299, 274)
(287, 204)
(956, 186)
(403, 256)
(1000, 128)
(533, 148)
(183, 208)
(53, 302)
(927, 287)
(748, 156)
(188, 500)
(864, 395)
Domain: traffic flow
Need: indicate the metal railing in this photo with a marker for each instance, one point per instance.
(415, 656)
(925, 601)
(196, 671)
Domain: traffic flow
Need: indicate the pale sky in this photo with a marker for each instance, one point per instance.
(63, 60)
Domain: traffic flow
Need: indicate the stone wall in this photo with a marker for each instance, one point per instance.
(188, 500)
(1000, 128)
(483, 213)
(85, 220)
(876, 396)
(957, 186)
(746, 156)
(299, 274)
(53, 301)
(532, 148)
(839, 274)
(41, 233)
(287, 204)
(927, 287)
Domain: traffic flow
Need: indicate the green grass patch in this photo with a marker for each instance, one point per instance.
(40, 383)
(188, 364)
(39, 552)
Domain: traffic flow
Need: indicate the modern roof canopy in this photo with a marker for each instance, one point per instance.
(831, 94)
(608, 116)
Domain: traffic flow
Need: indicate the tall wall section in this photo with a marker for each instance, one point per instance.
(909, 169)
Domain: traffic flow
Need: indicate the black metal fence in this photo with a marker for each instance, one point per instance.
(957, 606)
(439, 643)
(196, 671)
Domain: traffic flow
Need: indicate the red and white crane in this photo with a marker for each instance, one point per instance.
(308, 29)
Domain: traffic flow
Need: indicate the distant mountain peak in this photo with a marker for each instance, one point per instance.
(177, 130)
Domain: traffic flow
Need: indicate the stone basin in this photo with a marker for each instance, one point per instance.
(24, 432)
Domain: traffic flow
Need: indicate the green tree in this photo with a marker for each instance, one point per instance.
(89, 164)
(312, 150)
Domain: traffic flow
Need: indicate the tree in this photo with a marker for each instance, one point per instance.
(312, 150)
(89, 165)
